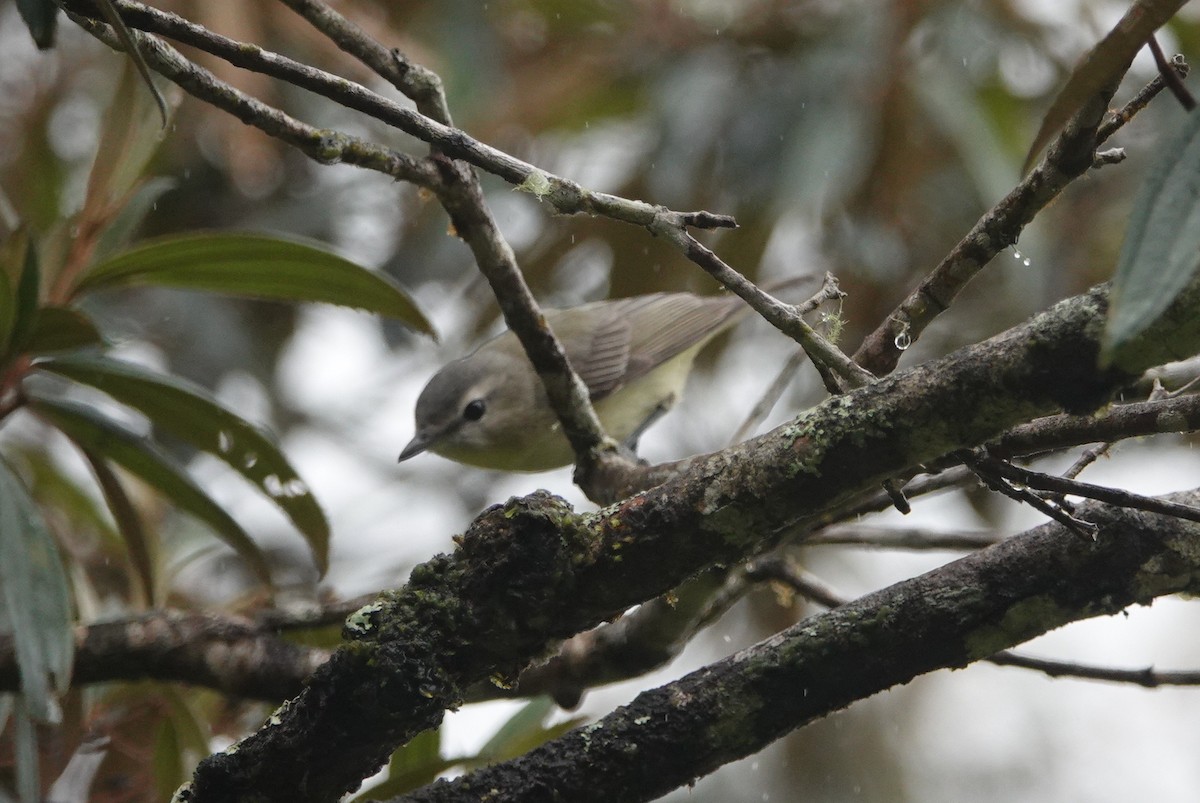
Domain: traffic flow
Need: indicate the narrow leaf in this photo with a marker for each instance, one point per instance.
(189, 413)
(1161, 252)
(129, 136)
(35, 602)
(92, 431)
(13, 257)
(109, 12)
(258, 266)
(137, 544)
(525, 731)
(1103, 65)
(412, 766)
(140, 200)
(41, 17)
(28, 287)
(55, 329)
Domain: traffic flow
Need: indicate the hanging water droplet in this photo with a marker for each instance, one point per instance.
(249, 460)
(903, 341)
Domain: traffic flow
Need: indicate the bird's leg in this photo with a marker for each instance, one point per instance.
(658, 412)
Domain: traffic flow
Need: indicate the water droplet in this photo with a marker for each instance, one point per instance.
(250, 460)
(224, 442)
(903, 341)
(273, 486)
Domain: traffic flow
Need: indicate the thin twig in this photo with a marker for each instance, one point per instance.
(417, 82)
(770, 397)
(784, 317)
(1066, 486)
(1170, 77)
(1178, 414)
(564, 195)
(320, 144)
(1149, 677)
(829, 291)
(1067, 158)
(1084, 460)
(912, 538)
(990, 472)
(1115, 121)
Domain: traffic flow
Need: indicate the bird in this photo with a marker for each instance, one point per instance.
(490, 410)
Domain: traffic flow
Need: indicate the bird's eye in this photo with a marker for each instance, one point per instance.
(474, 410)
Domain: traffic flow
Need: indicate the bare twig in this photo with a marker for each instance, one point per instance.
(770, 397)
(1067, 158)
(829, 291)
(1171, 77)
(320, 144)
(1177, 414)
(784, 317)
(1141, 100)
(422, 85)
(913, 538)
(1149, 677)
(1087, 490)
(990, 472)
(563, 195)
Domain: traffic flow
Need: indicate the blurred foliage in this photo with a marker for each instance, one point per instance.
(858, 137)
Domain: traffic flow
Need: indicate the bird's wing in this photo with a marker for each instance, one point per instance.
(632, 336)
(603, 359)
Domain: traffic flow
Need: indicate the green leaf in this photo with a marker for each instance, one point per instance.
(35, 601)
(524, 731)
(412, 766)
(93, 432)
(1161, 251)
(139, 201)
(28, 288)
(189, 413)
(129, 136)
(258, 266)
(13, 258)
(137, 544)
(41, 17)
(1103, 65)
(56, 329)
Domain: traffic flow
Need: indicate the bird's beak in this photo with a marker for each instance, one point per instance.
(420, 442)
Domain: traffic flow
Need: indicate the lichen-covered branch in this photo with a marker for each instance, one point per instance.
(962, 612)
(533, 571)
(218, 652)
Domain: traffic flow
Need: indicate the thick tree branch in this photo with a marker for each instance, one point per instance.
(950, 617)
(533, 571)
(219, 652)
